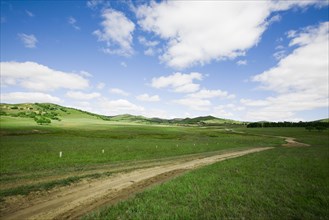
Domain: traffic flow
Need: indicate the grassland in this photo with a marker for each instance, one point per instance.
(30, 151)
(283, 183)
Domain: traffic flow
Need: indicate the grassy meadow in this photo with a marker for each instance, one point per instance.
(282, 183)
(37, 148)
(30, 151)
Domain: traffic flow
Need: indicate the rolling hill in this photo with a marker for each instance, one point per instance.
(46, 113)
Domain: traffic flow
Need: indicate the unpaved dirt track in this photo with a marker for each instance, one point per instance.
(292, 143)
(74, 201)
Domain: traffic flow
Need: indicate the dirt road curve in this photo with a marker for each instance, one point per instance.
(74, 201)
(292, 143)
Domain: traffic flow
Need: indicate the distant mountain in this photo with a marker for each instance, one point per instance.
(48, 112)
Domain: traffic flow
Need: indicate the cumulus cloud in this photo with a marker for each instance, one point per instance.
(82, 96)
(207, 94)
(197, 39)
(28, 97)
(148, 98)
(306, 68)
(119, 92)
(193, 38)
(72, 21)
(194, 103)
(37, 77)
(178, 82)
(300, 79)
(120, 106)
(221, 112)
(116, 32)
(29, 41)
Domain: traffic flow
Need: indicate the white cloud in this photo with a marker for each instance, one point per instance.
(254, 103)
(242, 62)
(119, 92)
(306, 68)
(147, 43)
(194, 103)
(299, 79)
(28, 97)
(82, 96)
(117, 33)
(100, 86)
(30, 14)
(221, 113)
(150, 45)
(206, 94)
(120, 106)
(197, 39)
(37, 77)
(29, 41)
(179, 82)
(72, 21)
(285, 5)
(148, 98)
(193, 38)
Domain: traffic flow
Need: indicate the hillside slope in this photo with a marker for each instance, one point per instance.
(47, 113)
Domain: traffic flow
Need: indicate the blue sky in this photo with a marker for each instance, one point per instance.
(243, 60)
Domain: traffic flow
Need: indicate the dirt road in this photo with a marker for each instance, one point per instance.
(291, 142)
(74, 201)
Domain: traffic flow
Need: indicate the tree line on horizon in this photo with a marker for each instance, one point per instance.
(318, 125)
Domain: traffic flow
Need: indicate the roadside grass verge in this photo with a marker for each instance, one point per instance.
(282, 183)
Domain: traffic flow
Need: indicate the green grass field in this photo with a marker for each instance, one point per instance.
(288, 183)
(30, 151)
(282, 183)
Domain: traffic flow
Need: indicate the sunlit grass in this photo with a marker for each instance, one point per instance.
(282, 183)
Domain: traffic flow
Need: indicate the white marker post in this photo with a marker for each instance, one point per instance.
(103, 151)
(60, 154)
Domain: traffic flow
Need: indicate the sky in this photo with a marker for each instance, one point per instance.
(241, 60)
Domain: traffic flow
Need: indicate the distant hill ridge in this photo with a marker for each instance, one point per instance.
(47, 112)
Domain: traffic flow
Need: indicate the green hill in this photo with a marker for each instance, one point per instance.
(323, 120)
(48, 113)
